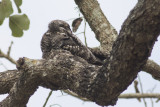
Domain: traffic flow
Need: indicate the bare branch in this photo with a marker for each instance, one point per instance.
(3, 65)
(7, 56)
(75, 95)
(152, 68)
(50, 93)
(138, 95)
(9, 49)
(136, 89)
(85, 39)
(141, 87)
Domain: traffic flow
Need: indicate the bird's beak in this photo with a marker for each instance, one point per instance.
(69, 32)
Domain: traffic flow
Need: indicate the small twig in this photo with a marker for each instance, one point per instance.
(79, 13)
(7, 56)
(152, 102)
(136, 89)
(75, 95)
(139, 95)
(55, 105)
(9, 48)
(50, 93)
(3, 55)
(157, 100)
(72, 19)
(3, 65)
(151, 91)
(85, 33)
(142, 90)
(79, 33)
(151, 98)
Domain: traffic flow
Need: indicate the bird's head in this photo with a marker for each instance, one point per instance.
(59, 26)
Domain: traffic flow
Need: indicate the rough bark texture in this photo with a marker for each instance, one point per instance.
(7, 79)
(50, 74)
(101, 84)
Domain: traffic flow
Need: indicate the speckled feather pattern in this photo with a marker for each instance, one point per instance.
(59, 36)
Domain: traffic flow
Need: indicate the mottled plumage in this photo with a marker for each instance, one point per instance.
(59, 36)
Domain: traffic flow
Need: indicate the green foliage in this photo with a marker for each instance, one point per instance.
(18, 23)
(5, 10)
(18, 3)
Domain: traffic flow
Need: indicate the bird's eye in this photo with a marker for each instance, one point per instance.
(61, 25)
(64, 26)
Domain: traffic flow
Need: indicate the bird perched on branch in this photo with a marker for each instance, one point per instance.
(60, 36)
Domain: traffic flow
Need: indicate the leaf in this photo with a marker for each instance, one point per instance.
(5, 10)
(18, 23)
(76, 23)
(1, 18)
(18, 4)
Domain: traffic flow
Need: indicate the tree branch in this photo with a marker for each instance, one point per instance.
(7, 56)
(9, 49)
(12, 76)
(130, 52)
(7, 80)
(138, 95)
(49, 73)
(152, 68)
(21, 91)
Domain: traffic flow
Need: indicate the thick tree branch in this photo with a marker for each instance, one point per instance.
(150, 67)
(21, 91)
(10, 80)
(50, 73)
(130, 51)
(7, 80)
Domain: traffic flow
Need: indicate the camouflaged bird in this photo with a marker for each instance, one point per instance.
(59, 36)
